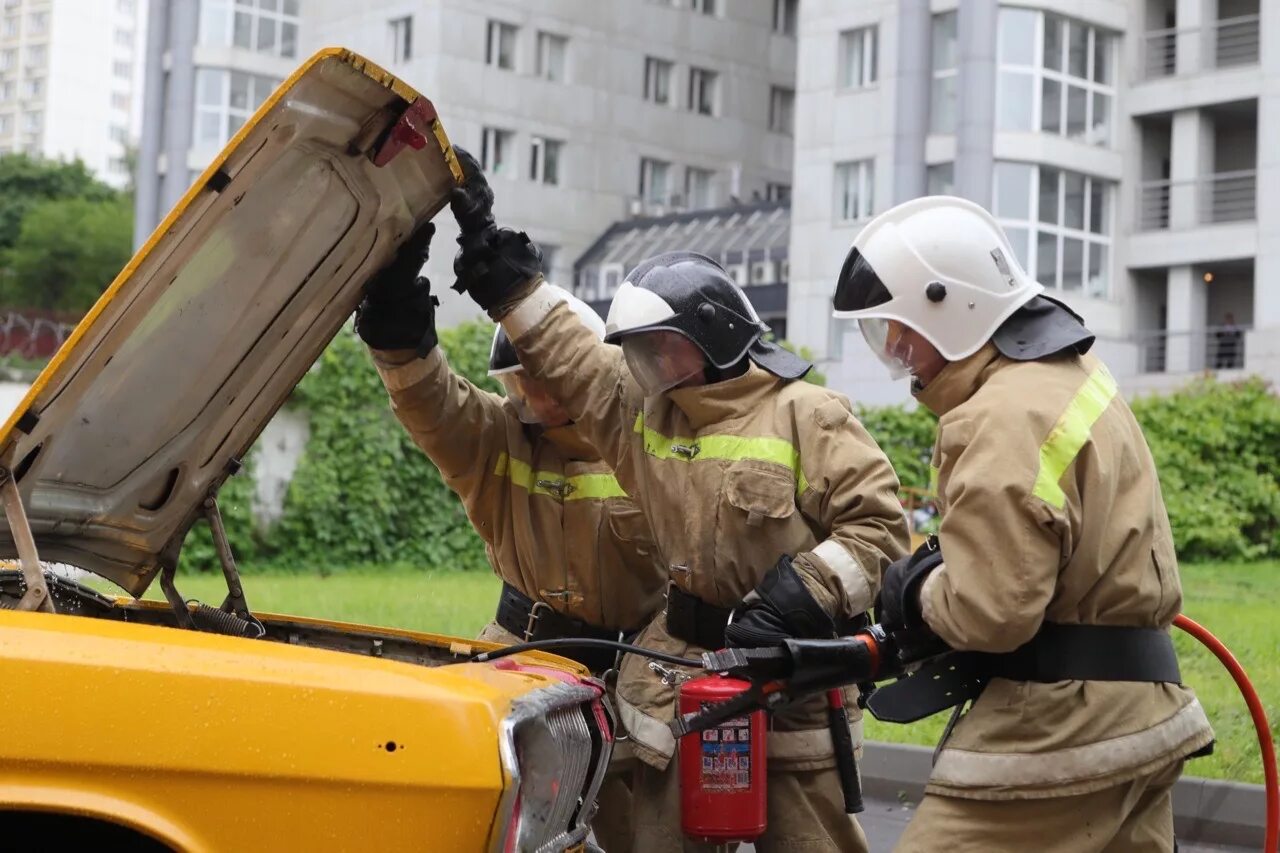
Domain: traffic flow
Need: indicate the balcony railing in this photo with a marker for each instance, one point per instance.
(1224, 197)
(1210, 348)
(1226, 43)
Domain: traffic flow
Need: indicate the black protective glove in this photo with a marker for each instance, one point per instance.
(398, 310)
(784, 609)
(492, 264)
(899, 599)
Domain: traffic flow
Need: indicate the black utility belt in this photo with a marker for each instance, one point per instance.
(1058, 652)
(694, 620)
(536, 620)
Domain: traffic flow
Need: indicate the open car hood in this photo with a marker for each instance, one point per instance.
(167, 381)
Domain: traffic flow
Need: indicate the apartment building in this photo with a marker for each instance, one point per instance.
(1120, 143)
(67, 81)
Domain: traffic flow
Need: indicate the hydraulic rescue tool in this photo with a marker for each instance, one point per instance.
(723, 792)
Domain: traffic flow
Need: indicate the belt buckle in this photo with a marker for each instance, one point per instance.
(533, 619)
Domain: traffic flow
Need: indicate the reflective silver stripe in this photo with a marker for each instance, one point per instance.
(809, 744)
(646, 730)
(398, 377)
(854, 580)
(966, 769)
(532, 311)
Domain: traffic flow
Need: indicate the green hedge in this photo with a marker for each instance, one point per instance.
(364, 493)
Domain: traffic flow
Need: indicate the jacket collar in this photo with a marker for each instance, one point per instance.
(570, 441)
(722, 401)
(959, 380)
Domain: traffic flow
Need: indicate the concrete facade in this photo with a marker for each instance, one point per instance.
(1120, 142)
(68, 78)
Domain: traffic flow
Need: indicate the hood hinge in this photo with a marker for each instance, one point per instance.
(37, 595)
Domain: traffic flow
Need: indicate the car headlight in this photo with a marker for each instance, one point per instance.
(556, 744)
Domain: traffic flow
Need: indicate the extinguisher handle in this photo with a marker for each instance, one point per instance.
(846, 758)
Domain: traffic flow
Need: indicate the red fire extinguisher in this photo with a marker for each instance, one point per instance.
(722, 769)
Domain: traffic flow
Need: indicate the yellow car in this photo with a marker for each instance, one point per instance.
(185, 726)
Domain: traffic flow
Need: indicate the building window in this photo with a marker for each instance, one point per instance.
(496, 151)
(120, 101)
(551, 56)
(698, 190)
(6, 125)
(777, 192)
(224, 101)
(653, 181)
(124, 38)
(8, 59)
(1055, 76)
(657, 80)
(500, 45)
(31, 122)
(940, 179)
(544, 165)
(37, 23)
(785, 14)
(702, 91)
(1059, 224)
(35, 55)
(782, 104)
(11, 27)
(858, 58)
(945, 58)
(123, 70)
(32, 87)
(7, 90)
(401, 38)
(120, 134)
(263, 26)
(125, 7)
(118, 165)
(705, 7)
(854, 192)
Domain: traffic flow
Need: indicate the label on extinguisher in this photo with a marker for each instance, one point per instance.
(726, 755)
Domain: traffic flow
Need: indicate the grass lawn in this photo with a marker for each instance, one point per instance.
(1238, 602)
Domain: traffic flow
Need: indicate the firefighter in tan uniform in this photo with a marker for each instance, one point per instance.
(1054, 558)
(767, 498)
(574, 553)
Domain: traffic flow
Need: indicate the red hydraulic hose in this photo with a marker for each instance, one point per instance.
(1259, 723)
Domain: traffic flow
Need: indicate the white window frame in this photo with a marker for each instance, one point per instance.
(497, 154)
(782, 110)
(868, 72)
(786, 17)
(547, 69)
(37, 23)
(702, 196)
(1039, 74)
(1061, 232)
(230, 118)
(705, 84)
(649, 166)
(938, 76)
(218, 25)
(544, 150)
(865, 172)
(657, 80)
(400, 31)
(495, 31)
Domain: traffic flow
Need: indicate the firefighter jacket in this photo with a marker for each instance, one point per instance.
(1050, 511)
(555, 523)
(732, 476)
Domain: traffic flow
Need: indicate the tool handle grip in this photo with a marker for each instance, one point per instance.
(846, 760)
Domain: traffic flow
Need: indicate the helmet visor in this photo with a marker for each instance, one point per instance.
(661, 360)
(531, 401)
(859, 287)
(885, 339)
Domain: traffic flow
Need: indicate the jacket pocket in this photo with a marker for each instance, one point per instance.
(759, 491)
(628, 524)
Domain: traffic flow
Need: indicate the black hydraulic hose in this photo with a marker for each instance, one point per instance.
(588, 642)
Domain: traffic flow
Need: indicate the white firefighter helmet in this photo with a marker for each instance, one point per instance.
(505, 365)
(940, 265)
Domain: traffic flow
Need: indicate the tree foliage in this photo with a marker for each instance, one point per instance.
(66, 253)
(27, 181)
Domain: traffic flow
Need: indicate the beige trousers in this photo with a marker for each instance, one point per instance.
(805, 813)
(1133, 817)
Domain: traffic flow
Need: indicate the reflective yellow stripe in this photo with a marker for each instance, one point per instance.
(1070, 433)
(576, 488)
(933, 479)
(734, 447)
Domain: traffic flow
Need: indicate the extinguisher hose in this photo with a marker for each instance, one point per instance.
(1259, 715)
(587, 642)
